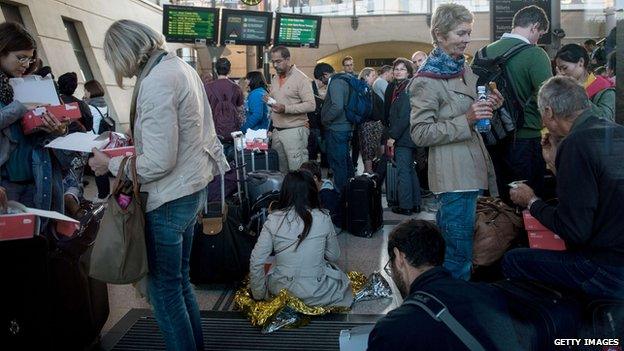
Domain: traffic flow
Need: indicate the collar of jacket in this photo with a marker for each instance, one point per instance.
(581, 119)
(429, 276)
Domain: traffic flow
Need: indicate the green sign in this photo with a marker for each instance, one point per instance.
(187, 24)
(298, 31)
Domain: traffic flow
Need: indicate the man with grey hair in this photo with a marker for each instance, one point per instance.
(590, 186)
(418, 58)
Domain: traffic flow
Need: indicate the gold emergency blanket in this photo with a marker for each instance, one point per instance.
(260, 312)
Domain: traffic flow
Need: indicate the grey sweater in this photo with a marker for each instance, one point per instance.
(333, 112)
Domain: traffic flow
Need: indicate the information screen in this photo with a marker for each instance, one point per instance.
(186, 24)
(246, 27)
(297, 30)
(502, 12)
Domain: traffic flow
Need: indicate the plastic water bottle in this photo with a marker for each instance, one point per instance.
(482, 125)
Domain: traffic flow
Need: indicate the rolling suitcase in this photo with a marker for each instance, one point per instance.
(221, 249)
(260, 211)
(255, 159)
(604, 318)
(392, 182)
(25, 306)
(363, 214)
(263, 182)
(540, 313)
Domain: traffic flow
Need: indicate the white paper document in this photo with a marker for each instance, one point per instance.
(42, 213)
(256, 134)
(35, 90)
(82, 142)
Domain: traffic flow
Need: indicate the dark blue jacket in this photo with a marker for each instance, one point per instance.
(479, 308)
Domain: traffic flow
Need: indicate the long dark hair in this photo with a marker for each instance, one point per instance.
(256, 80)
(299, 192)
(14, 37)
(573, 53)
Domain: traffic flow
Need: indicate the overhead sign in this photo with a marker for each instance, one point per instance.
(297, 30)
(503, 11)
(187, 24)
(246, 27)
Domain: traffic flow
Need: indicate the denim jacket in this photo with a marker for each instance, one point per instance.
(48, 178)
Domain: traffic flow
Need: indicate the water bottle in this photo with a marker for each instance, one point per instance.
(482, 125)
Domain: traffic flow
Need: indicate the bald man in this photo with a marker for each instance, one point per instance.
(418, 58)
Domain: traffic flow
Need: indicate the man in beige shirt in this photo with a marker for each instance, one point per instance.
(294, 98)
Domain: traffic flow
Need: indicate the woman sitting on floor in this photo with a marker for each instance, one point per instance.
(303, 239)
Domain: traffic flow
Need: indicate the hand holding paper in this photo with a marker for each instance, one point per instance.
(99, 162)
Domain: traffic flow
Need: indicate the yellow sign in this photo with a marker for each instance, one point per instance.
(251, 2)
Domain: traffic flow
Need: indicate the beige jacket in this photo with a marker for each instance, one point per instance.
(177, 148)
(306, 271)
(458, 159)
(297, 95)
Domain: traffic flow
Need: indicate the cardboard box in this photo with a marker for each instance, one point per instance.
(539, 236)
(261, 145)
(25, 224)
(18, 226)
(32, 120)
(547, 240)
(531, 223)
(119, 151)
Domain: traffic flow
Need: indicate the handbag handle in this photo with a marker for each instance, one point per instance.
(120, 175)
(135, 179)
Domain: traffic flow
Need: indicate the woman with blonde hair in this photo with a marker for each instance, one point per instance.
(177, 155)
(444, 111)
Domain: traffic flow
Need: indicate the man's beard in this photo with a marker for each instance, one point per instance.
(400, 283)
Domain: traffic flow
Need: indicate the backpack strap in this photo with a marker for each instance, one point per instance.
(502, 59)
(438, 311)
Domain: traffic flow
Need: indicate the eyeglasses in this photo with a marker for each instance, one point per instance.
(388, 268)
(25, 59)
(400, 69)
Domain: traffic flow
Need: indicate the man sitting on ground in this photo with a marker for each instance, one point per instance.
(416, 249)
(589, 164)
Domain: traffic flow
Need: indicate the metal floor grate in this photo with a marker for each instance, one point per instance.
(231, 331)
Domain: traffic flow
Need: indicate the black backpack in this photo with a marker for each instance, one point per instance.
(510, 117)
(107, 124)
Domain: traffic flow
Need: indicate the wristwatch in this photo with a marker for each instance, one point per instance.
(531, 202)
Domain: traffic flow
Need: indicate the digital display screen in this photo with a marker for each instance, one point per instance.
(186, 24)
(297, 30)
(246, 27)
(503, 11)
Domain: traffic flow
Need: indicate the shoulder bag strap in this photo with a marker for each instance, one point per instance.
(121, 174)
(438, 311)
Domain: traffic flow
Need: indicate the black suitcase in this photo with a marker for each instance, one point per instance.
(363, 214)
(392, 183)
(260, 183)
(222, 257)
(80, 303)
(260, 211)
(267, 160)
(603, 319)
(24, 297)
(541, 314)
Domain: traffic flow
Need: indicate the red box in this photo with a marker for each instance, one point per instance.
(547, 240)
(257, 145)
(18, 226)
(32, 119)
(531, 223)
(66, 228)
(541, 237)
(119, 151)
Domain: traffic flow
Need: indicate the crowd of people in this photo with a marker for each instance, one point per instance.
(426, 105)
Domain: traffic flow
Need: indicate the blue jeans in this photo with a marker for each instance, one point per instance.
(456, 219)
(169, 237)
(409, 194)
(566, 269)
(339, 158)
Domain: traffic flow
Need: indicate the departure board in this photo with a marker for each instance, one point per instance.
(187, 24)
(503, 11)
(246, 27)
(297, 30)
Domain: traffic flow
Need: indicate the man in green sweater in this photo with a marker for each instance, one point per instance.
(520, 156)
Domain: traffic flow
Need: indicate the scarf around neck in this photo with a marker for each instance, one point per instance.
(398, 89)
(153, 60)
(440, 65)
